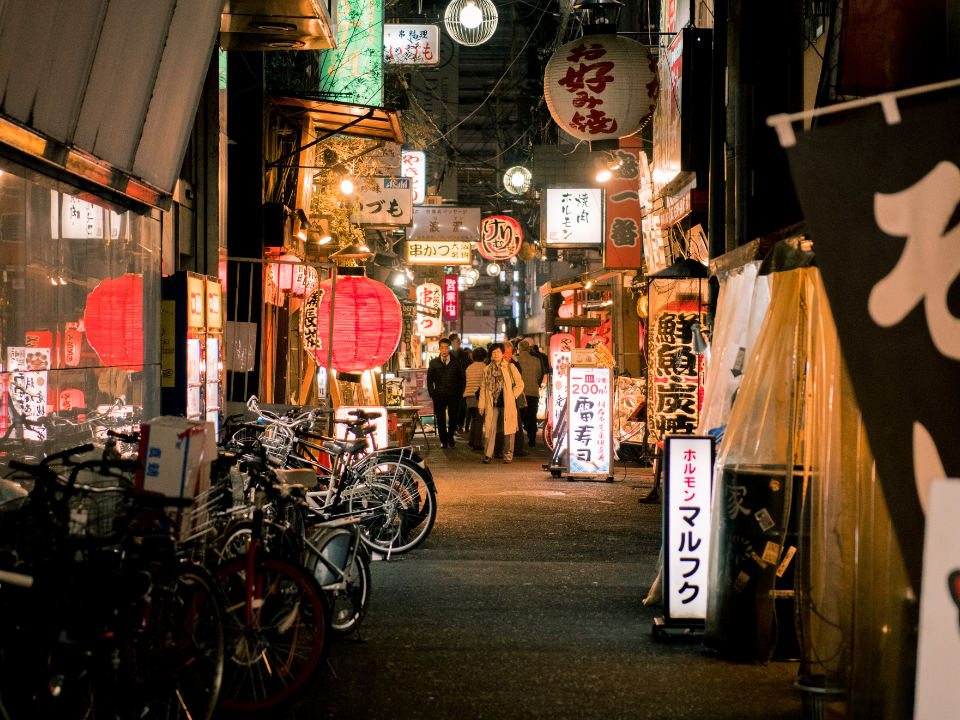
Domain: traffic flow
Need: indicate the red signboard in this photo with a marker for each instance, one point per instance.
(451, 297)
(500, 237)
(623, 215)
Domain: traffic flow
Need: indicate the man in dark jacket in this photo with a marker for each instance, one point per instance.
(445, 385)
(463, 359)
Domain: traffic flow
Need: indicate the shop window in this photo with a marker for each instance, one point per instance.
(79, 319)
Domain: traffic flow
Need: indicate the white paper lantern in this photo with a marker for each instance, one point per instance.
(470, 22)
(516, 180)
(601, 87)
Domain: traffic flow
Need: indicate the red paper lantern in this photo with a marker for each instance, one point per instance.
(113, 321)
(500, 237)
(366, 325)
(601, 87)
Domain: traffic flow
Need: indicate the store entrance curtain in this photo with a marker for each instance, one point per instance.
(882, 204)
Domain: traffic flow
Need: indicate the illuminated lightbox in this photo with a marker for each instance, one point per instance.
(573, 217)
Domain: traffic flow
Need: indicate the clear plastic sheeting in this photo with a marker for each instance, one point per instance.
(782, 438)
(741, 307)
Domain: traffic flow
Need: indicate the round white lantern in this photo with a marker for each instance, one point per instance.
(601, 87)
(470, 22)
(516, 180)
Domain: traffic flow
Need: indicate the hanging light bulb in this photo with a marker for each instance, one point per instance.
(470, 15)
(346, 186)
(604, 175)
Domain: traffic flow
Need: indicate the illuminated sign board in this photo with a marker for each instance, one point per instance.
(411, 44)
(353, 73)
(429, 252)
(445, 223)
(561, 347)
(413, 165)
(451, 297)
(500, 237)
(196, 290)
(573, 218)
(387, 203)
(381, 435)
(214, 314)
(429, 295)
(589, 402)
(688, 484)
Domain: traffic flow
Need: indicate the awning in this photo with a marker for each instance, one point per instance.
(102, 96)
(332, 117)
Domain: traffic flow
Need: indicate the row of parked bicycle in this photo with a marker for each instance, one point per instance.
(117, 603)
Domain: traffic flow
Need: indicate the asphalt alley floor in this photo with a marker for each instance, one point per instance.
(526, 602)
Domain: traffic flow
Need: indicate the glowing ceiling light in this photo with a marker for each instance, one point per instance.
(470, 15)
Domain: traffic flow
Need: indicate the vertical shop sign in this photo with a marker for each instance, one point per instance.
(588, 421)
(414, 166)
(624, 241)
(675, 374)
(451, 297)
(428, 324)
(561, 347)
(71, 345)
(27, 383)
(688, 462)
(574, 218)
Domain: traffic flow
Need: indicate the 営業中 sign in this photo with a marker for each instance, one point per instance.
(451, 297)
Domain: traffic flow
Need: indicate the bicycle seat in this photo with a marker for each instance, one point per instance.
(341, 447)
(306, 477)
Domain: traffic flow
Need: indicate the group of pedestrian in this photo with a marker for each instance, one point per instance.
(488, 394)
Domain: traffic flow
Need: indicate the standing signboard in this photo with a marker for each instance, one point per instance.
(688, 484)
(588, 422)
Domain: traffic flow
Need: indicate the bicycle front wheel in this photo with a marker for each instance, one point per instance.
(348, 584)
(271, 657)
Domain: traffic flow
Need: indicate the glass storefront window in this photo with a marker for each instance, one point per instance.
(79, 319)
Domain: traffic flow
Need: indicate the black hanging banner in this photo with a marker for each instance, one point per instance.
(881, 205)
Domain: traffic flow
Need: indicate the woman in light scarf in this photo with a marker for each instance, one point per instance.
(498, 394)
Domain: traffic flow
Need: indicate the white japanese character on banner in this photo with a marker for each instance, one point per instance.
(930, 262)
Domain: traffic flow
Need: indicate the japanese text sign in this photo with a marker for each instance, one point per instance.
(214, 296)
(381, 435)
(411, 44)
(445, 223)
(500, 237)
(413, 165)
(688, 484)
(427, 252)
(561, 347)
(623, 218)
(588, 421)
(675, 374)
(601, 87)
(895, 193)
(385, 201)
(451, 297)
(81, 220)
(27, 381)
(574, 217)
(429, 295)
(353, 73)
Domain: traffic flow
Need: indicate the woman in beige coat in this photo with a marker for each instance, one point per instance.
(498, 394)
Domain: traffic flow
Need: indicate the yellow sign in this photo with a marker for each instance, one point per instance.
(214, 316)
(438, 252)
(195, 292)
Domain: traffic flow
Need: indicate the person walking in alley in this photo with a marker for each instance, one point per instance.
(531, 370)
(445, 385)
(462, 357)
(509, 356)
(472, 423)
(501, 386)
